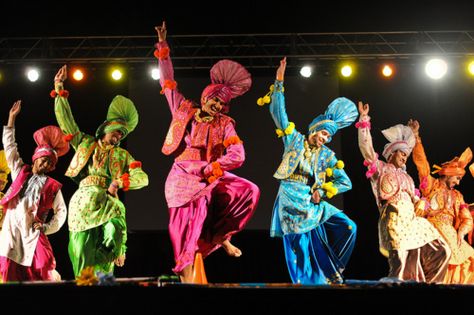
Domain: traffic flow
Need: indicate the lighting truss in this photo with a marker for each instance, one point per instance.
(252, 50)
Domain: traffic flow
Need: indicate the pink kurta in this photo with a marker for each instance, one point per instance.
(202, 215)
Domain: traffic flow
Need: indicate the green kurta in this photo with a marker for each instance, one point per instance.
(94, 166)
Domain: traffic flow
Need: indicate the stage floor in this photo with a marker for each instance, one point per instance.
(149, 295)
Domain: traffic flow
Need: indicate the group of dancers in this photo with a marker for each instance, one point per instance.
(421, 232)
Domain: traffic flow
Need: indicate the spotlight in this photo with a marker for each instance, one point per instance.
(155, 73)
(32, 75)
(346, 71)
(387, 71)
(470, 68)
(306, 71)
(436, 68)
(78, 75)
(117, 74)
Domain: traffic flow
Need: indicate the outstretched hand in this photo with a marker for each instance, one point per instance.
(363, 109)
(161, 31)
(280, 74)
(61, 76)
(14, 111)
(414, 126)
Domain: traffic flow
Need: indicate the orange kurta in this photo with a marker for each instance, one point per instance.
(449, 215)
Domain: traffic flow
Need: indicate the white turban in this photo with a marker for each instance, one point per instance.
(400, 137)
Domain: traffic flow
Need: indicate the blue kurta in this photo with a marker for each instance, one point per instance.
(318, 238)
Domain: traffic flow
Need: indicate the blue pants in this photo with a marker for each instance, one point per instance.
(320, 255)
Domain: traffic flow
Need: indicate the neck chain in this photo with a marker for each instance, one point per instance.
(308, 150)
(204, 119)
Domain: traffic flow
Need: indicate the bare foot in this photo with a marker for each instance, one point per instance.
(230, 249)
(120, 261)
(186, 275)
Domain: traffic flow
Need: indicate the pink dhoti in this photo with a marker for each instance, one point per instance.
(214, 215)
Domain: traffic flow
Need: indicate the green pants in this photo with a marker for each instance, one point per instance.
(99, 246)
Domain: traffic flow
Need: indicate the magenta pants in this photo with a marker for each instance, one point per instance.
(202, 224)
(41, 267)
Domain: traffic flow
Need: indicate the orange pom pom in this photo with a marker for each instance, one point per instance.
(64, 93)
(68, 137)
(135, 164)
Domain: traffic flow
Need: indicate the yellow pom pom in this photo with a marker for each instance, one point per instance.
(266, 99)
(329, 195)
(272, 87)
(260, 101)
(339, 164)
(279, 133)
(329, 172)
(290, 128)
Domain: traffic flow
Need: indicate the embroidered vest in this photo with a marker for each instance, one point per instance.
(294, 154)
(181, 118)
(117, 159)
(48, 192)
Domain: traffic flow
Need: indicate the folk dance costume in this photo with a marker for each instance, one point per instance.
(414, 248)
(207, 203)
(97, 223)
(448, 212)
(318, 238)
(25, 252)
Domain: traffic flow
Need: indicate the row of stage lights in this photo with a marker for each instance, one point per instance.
(434, 69)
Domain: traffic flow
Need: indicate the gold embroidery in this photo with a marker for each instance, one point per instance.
(200, 119)
(170, 136)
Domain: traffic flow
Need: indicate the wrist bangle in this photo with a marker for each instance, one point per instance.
(114, 185)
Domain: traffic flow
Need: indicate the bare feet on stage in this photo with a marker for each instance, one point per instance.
(186, 275)
(230, 249)
(120, 261)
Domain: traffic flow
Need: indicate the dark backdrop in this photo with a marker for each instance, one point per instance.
(444, 109)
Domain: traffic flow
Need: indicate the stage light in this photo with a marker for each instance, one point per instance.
(346, 71)
(436, 68)
(470, 68)
(306, 71)
(155, 73)
(32, 75)
(387, 71)
(78, 75)
(117, 74)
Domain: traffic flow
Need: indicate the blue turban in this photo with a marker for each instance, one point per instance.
(341, 113)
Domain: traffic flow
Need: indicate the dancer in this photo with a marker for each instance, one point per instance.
(97, 225)
(318, 238)
(207, 204)
(414, 248)
(25, 251)
(446, 208)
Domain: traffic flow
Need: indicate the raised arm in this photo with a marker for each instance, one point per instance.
(277, 105)
(167, 82)
(365, 138)
(420, 160)
(62, 109)
(9, 143)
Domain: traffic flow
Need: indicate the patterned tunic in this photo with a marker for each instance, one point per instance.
(394, 190)
(448, 212)
(302, 171)
(95, 166)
